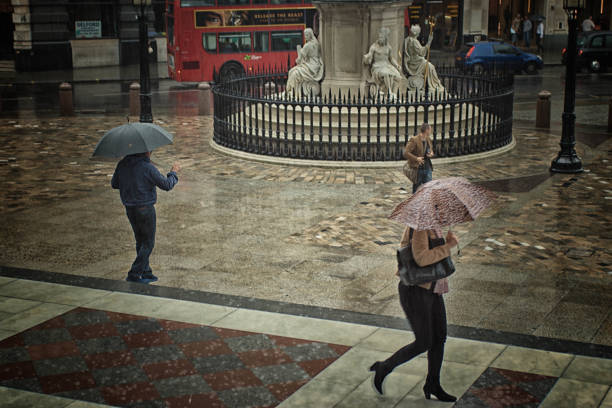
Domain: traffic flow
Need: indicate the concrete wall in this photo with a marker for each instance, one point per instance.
(95, 53)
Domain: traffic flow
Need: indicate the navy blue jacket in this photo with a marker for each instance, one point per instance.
(136, 178)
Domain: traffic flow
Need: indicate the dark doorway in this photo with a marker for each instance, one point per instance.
(6, 35)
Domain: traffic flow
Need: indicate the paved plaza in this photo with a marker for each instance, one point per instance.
(301, 261)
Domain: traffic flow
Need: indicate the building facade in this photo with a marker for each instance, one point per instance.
(501, 13)
(60, 34)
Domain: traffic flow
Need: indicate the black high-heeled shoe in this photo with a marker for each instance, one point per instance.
(437, 391)
(379, 377)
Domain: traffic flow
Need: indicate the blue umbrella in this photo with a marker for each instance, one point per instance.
(132, 138)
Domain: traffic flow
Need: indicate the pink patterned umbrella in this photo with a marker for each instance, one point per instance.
(443, 203)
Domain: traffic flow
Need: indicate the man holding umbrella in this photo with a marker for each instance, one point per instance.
(137, 178)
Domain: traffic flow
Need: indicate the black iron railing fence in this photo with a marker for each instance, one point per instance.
(253, 114)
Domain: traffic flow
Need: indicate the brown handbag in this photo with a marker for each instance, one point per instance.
(411, 172)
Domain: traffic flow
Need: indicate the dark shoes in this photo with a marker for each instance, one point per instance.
(434, 388)
(379, 377)
(144, 278)
(149, 277)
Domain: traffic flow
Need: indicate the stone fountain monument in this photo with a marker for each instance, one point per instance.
(361, 51)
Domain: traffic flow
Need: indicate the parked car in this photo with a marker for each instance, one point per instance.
(486, 55)
(594, 51)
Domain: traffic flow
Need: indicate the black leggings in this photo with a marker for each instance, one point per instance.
(427, 315)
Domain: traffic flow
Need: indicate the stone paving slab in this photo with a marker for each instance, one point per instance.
(496, 374)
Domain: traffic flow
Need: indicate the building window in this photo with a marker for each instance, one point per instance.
(170, 29)
(85, 16)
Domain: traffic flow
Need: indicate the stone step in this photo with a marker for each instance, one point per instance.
(335, 138)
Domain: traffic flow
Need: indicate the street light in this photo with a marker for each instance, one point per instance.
(567, 160)
(145, 81)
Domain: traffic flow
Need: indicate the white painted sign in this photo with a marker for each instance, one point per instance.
(88, 29)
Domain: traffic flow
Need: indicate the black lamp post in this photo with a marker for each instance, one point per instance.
(567, 160)
(145, 80)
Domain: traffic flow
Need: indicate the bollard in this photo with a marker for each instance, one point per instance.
(543, 110)
(135, 99)
(65, 99)
(610, 115)
(205, 99)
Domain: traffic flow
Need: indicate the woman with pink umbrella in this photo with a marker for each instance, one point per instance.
(424, 264)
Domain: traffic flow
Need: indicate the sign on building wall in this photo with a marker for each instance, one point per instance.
(88, 29)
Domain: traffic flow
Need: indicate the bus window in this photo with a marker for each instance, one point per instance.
(234, 42)
(209, 42)
(197, 3)
(286, 41)
(285, 1)
(233, 2)
(262, 40)
(260, 1)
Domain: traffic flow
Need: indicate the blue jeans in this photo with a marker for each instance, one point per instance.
(143, 221)
(423, 176)
(527, 38)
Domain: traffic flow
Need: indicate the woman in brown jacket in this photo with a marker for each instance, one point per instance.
(418, 152)
(424, 308)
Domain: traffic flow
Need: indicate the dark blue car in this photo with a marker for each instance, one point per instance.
(485, 55)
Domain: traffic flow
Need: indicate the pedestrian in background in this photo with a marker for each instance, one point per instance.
(540, 37)
(137, 179)
(514, 29)
(418, 152)
(527, 27)
(588, 25)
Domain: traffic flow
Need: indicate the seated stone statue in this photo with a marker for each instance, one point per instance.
(305, 76)
(383, 71)
(417, 66)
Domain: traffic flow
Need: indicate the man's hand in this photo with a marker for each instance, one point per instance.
(176, 167)
(430, 155)
(451, 239)
(420, 161)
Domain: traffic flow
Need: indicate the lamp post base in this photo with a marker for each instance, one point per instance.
(567, 163)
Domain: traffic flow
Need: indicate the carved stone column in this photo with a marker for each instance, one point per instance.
(347, 29)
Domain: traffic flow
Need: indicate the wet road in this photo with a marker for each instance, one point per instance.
(173, 98)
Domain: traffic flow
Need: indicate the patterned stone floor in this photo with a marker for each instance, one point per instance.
(538, 262)
(506, 388)
(128, 360)
(77, 347)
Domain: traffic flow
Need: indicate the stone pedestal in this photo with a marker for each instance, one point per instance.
(346, 32)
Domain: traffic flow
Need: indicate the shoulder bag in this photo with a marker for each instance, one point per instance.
(413, 274)
(411, 172)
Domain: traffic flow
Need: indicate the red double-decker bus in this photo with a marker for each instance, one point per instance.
(232, 37)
